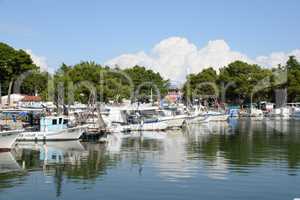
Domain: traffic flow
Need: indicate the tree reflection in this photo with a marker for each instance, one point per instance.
(251, 144)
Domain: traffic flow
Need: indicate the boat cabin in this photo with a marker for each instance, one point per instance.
(53, 123)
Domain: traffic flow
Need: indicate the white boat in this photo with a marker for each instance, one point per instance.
(176, 121)
(8, 138)
(196, 115)
(173, 118)
(196, 119)
(216, 116)
(53, 128)
(157, 135)
(280, 113)
(253, 113)
(124, 119)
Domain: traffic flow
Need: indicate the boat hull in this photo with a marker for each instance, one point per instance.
(174, 121)
(156, 126)
(197, 119)
(65, 134)
(7, 139)
(217, 118)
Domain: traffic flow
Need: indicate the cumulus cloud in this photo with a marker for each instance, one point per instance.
(175, 57)
(276, 58)
(38, 60)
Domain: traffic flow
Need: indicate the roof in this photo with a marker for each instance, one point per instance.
(32, 98)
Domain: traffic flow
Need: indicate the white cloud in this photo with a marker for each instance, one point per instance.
(175, 57)
(38, 60)
(276, 58)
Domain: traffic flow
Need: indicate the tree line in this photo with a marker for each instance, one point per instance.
(77, 82)
(238, 82)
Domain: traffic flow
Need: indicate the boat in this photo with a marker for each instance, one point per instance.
(174, 117)
(253, 113)
(216, 116)
(126, 119)
(196, 115)
(8, 138)
(279, 113)
(196, 119)
(156, 135)
(233, 113)
(52, 128)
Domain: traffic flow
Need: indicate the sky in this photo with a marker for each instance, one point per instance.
(168, 36)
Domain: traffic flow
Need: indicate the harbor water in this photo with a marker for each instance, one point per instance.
(242, 159)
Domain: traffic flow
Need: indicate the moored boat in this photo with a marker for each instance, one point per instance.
(216, 116)
(52, 128)
(280, 113)
(253, 114)
(126, 119)
(173, 118)
(8, 138)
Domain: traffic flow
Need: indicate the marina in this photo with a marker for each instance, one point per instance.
(172, 147)
(44, 124)
(158, 100)
(228, 157)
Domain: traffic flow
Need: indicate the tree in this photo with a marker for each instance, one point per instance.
(109, 84)
(293, 79)
(36, 83)
(201, 84)
(12, 64)
(145, 80)
(245, 78)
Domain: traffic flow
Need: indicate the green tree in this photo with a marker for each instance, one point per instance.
(109, 84)
(146, 80)
(202, 84)
(36, 83)
(12, 64)
(245, 78)
(293, 80)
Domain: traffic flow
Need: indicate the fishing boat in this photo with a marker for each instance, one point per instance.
(52, 128)
(126, 119)
(174, 117)
(8, 138)
(10, 128)
(196, 115)
(216, 116)
(196, 119)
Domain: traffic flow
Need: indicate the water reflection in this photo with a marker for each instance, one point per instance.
(216, 151)
(173, 162)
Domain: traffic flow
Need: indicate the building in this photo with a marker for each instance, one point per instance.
(20, 99)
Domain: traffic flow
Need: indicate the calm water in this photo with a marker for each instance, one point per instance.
(240, 160)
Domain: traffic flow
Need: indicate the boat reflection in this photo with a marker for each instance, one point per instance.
(10, 171)
(8, 163)
(60, 152)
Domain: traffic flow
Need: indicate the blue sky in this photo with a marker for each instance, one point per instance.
(70, 31)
